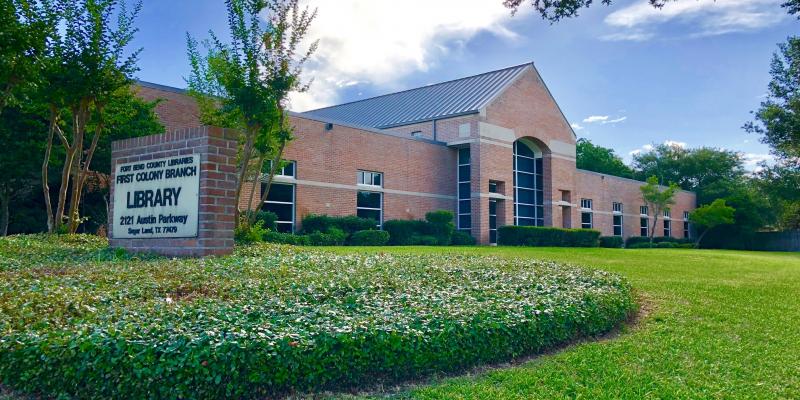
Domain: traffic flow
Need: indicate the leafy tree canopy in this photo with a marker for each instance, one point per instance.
(658, 198)
(712, 215)
(596, 158)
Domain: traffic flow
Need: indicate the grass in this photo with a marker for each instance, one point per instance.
(723, 324)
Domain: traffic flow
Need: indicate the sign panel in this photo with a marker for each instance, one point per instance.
(157, 198)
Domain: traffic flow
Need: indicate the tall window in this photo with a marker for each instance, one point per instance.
(528, 185)
(586, 213)
(667, 228)
(617, 219)
(644, 226)
(464, 221)
(667, 213)
(369, 204)
(281, 198)
(686, 233)
(643, 210)
(492, 221)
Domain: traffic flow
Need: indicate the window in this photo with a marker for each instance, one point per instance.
(368, 178)
(281, 201)
(616, 207)
(492, 187)
(617, 221)
(287, 170)
(464, 220)
(644, 226)
(370, 205)
(492, 221)
(586, 203)
(667, 228)
(416, 134)
(528, 184)
(667, 213)
(643, 210)
(586, 220)
(686, 232)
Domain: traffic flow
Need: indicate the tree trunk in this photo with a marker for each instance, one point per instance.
(247, 153)
(45, 164)
(79, 130)
(5, 199)
(82, 172)
(653, 228)
(256, 180)
(700, 239)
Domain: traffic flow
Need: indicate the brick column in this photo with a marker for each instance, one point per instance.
(216, 148)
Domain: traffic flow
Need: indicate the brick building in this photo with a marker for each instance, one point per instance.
(494, 148)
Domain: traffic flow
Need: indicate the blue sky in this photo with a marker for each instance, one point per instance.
(626, 76)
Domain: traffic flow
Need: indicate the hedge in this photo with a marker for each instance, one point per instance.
(461, 238)
(271, 320)
(546, 236)
(369, 238)
(402, 231)
(348, 224)
(658, 239)
(437, 225)
(611, 241)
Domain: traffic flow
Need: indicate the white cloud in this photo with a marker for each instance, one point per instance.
(576, 126)
(752, 161)
(673, 143)
(614, 121)
(639, 21)
(380, 41)
(644, 149)
(595, 118)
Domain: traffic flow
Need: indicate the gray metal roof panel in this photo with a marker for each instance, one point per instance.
(441, 100)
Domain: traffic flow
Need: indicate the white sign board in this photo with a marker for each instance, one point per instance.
(157, 198)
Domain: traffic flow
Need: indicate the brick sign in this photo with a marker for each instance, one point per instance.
(157, 198)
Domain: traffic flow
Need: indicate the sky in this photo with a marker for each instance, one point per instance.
(627, 76)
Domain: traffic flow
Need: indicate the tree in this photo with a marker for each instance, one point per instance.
(657, 198)
(711, 216)
(245, 84)
(21, 134)
(24, 29)
(84, 66)
(600, 159)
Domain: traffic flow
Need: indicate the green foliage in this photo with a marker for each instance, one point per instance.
(657, 198)
(424, 240)
(440, 225)
(348, 224)
(245, 233)
(402, 231)
(595, 158)
(369, 238)
(637, 240)
(331, 237)
(274, 319)
(268, 219)
(711, 216)
(611, 241)
(661, 245)
(461, 238)
(286, 238)
(546, 236)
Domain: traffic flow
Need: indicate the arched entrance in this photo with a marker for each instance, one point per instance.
(528, 184)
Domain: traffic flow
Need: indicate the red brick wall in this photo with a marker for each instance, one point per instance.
(176, 109)
(217, 150)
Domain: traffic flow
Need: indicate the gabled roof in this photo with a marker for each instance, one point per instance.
(447, 99)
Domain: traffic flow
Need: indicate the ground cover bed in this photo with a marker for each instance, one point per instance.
(80, 320)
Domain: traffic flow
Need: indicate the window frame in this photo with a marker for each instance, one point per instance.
(617, 207)
(459, 181)
(379, 209)
(293, 203)
(615, 226)
(372, 174)
(667, 228)
(644, 210)
(644, 226)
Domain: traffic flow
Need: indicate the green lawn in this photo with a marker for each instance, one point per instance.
(723, 324)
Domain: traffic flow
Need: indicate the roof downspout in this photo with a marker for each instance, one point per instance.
(434, 129)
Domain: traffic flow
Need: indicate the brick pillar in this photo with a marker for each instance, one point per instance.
(216, 149)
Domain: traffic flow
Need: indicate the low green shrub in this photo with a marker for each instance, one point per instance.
(247, 234)
(440, 225)
(333, 237)
(369, 238)
(286, 238)
(402, 231)
(424, 240)
(461, 238)
(658, 239)
(546, 236)
(273, 319)
(348, 224)
(268, 218)
(611, 241)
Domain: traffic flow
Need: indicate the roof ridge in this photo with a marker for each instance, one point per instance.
(419, 87)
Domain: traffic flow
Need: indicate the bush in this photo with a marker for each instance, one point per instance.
(268, 218)
(271, 320)
(658, 239)
(440, 225)
(369, 238)
(461, 238)
(349, 224)
(402, 231)
(424, 240)
(611, 241)
(546, 236)
(246, 233)
(334, 237)
(286, 238)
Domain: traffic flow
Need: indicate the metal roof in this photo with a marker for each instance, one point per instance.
(457, 97)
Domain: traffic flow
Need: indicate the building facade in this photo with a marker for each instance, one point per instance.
(493, 148)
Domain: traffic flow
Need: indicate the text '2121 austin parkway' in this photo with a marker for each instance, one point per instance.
(157, 198)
